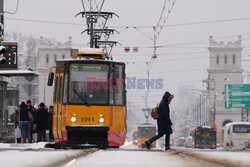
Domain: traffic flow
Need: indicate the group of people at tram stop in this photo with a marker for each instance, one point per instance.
(164, 122)
(34, 124)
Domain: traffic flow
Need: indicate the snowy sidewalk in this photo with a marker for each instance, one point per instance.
(35, 155)
(22, 146)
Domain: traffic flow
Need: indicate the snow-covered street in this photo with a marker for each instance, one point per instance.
(29, 155)
(123, 158)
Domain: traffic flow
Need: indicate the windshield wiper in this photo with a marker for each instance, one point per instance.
(84, 100)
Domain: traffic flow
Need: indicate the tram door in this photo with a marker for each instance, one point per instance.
(58, 105)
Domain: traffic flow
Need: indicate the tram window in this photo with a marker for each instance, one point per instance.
(56, 90)
(65, 90)
(61, 90)
(119, 86)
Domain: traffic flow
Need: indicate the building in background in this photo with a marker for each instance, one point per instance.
(48, 53)
(224, 68)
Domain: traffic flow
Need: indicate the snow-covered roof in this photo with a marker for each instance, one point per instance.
(9, 73)
(146, 125)
(75, 60)
(206, 127)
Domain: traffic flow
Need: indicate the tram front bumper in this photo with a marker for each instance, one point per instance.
(87, 135)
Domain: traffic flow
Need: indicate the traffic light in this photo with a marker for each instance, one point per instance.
(8, 55)
(2, 51)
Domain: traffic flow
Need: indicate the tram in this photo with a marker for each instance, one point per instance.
(89, 100)
(145, 132)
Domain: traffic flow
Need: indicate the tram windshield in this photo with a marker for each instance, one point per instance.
(88, 84)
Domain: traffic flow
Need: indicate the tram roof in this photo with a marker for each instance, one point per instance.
(87, 60)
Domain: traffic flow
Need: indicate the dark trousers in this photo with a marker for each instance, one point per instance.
(18, 140)
(41, 136)
(25, 130)
(167, 138)
(31, 132)
(51, 135)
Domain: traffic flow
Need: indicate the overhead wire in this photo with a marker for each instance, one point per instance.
(17, 5)
(165, 19)
(128, 27)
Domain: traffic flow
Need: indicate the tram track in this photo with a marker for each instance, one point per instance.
(71, 159)
(204, 161)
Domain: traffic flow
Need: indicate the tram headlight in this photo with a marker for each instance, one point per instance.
(101, 120)
(73, 119)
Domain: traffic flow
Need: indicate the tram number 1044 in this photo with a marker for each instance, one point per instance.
(87, 119)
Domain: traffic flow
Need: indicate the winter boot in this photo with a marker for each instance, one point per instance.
(147, 144)
(167, 148)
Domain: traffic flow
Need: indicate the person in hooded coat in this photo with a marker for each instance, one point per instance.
(163, 122)
(42, 122)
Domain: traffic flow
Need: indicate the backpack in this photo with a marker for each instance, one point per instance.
(155, 112)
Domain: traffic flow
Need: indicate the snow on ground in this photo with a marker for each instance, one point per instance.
(33, 154)
(240, 158)
(123, 158)
(17, 158)
(22, 146)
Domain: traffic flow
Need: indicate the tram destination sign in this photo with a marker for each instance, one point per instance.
(90, 67)
(237, 95)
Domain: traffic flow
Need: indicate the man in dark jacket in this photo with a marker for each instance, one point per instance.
(42, 122)
(164, 123)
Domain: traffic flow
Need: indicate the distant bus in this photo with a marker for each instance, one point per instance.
(204, 137)
(236, 135)
(181, 141)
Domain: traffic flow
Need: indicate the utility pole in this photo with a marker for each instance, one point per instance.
(1, 20)
(2, 83)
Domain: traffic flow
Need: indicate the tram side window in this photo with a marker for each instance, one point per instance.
(58, 98)
(65, 89)
(119, 86)
(61, 90)
(56, 90)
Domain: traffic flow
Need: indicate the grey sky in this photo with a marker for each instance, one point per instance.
(171, 65)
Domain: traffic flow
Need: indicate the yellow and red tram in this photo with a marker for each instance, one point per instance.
(89, 101)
